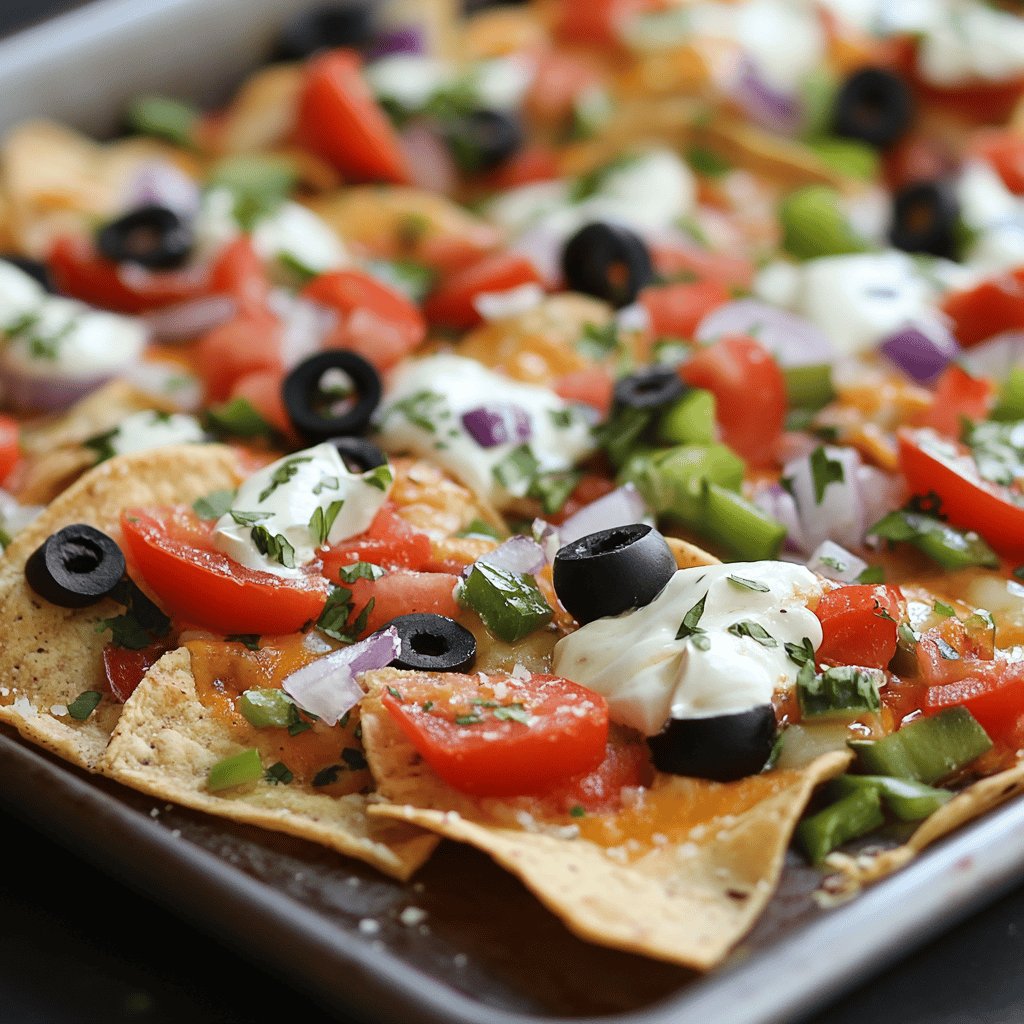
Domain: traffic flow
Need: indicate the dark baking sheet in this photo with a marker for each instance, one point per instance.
(485, 951)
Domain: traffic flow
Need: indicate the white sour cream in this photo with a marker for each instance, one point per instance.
(144, 431)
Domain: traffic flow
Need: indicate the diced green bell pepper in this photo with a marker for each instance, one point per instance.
(163, 118)
(950, 547)
(267, 709)
(738, 525)
(1010, 406)
(908, 800)
(809, 387)
(853, 816)
(508, 604)
(238, 770)
(689, 420)
(814, 225)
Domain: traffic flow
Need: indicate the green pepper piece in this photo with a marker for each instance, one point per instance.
(908, 800)
(847, 156)
(267, 709)
(813, 224)
(928, 749)
(260, 184)
(163, 118)
(950, 547)
(1010, 406)
(509, 605)
(739, 525)
(689, 420)
(237, 770)
(855, 815)
(845, 691)
(809, 387)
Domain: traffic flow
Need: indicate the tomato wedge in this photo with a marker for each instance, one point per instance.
(340, 120)
(125, 668)
(390, 542)
(501, 736)
(987, 309)
(958, 396)
(675, 310)
(451, 303)
(245, 345)
(404, 592)
(1004, 150)
(858, 625)
(934, 464)
(993, 691)
(171, 549)
(10, 446)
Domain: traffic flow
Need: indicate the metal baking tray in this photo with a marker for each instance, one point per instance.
(477, 948)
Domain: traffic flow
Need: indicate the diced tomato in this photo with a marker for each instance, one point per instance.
(858, 625)
(968, 500)
(245, 345)
(980, 102)
(390, 542)
(484, 750)
(196, 583)
(948, 653)
(703, 264)
(597, 23)
(375, 321)
(341, 121)
(404, 592)
(451, 303)
(531, 164)
(262, 390)
(10, 446)
(239, 271)
(916, 158)
(1004, 150)
(560, 80)
(592, 386)
(993, 691)
(958, 396)
(987, 309)
(675, 310)
(125, 668)
(750, 394)
(627, 762)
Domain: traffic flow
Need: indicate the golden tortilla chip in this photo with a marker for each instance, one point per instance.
(50, 655)
(685, 894)
(688, 555)
(166, 742)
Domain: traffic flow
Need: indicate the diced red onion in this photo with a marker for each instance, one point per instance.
(142, 279)
(880, 493)
(187, 320)
(13, 515)
(763, 103)
(304, 326)
(518, 554)
(836, 563)
(922, 350)
(327, 687)
(839, 515)
(547, 536)
(430, 161)
(621, 507)
(52, 392)
(498, 423)
(776, 501)
(542, 246)
(793, 340)
(996, 357)
(158, 182)
(510, 302)
(633, 318)
(401, 39)
(167, 382)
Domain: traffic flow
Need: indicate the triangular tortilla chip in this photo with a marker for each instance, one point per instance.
(166, 742)
(50, 655)
(685, 898)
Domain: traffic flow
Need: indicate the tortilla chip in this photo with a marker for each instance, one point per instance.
(50, 655)
(166, 742)
(688, 555)
(686, 899)
(968, 804)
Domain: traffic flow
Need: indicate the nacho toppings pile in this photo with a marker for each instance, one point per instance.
(594, 433)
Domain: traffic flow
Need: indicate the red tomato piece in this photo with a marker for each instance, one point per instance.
(195, 583)
(858, 625)
(404, 592)
(236, 349)
(1004, 150)
(125, 668)
(10, 446)
(980, 102)
(627, 762)
(341, 121)
(597, 23)
(560, 80)
(914, 159)
(993, 691)
(969, 501)
(591, 487)
(390, 542)
(531, 164)
(376, 321)
(987, 309)
(262, 390)
(451, 303)
(750, 394)
(717, 267)
(958, 396)
(675, 310)
(239, 272)
(593, 386)
(485, 750)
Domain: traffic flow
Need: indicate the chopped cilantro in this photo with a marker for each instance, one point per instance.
(998, 450)
(102, 444)
(322, 519)
(397, 694)
(824, 471)
(577, 811)
(480, 528)
(426, 708)
(689, 626)
(746, 584)
(755, 631)
(275, 546)
(833, 563)
(512, 713)
(562, 418)
(248, 640)
(872, 574)
(214, 505)
(424, 409)
(249, 518)
(552, 490)
(802, 653)
(380, 477)
(279, 774)
(517, 470)
(946, 610)
(283, 474)
(237, 418)
(471, 719)
(141, 624)
(84, 704)
(599, 342)
(707, 162)
(360, 571)
(327, 483)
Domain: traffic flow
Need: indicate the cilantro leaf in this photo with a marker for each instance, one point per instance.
(214, 505)
(84, 705)
(824, 471)
(689, 626)
(755, 631)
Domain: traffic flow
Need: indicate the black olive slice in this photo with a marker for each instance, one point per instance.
(321, 410)
(649, 388)
(723, 748)
(483, 139)
(924, 219)
(151, 236)
(75, 567)
(35, 269)
(433, 643)
(343, 24)
(874, 106)
(612, 571)
(358, 454)
(607, 261)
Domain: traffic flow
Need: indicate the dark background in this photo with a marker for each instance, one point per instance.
(76, 947)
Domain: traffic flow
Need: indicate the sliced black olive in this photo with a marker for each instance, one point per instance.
(724, 748)
(358, 454)
(151, 236)
(925, 216)
(433, 643)
(321, 408)
(607, 261)
(35, 269)
(874, 106)
(345, 24)
(483, 139)
(612, 571)
(649, 388)
(75, 567)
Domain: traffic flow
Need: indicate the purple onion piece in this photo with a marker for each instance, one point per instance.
(518, 554)
(763, 103)
(621, 507)
(187, 320)
(777, 502)
(53, 392)
(548, 536)
(402, 39)
(498, 423)
(161, 183)
(327, 687)
(793, 340)
(921, 350)
(836, 563)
